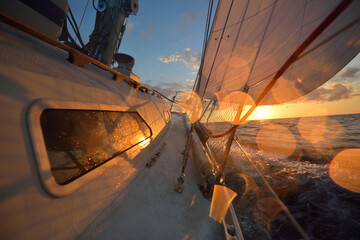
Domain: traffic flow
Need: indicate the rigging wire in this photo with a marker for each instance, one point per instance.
(82, 17)
(245, 19)
(283, 206)
(205, 41)
(75, 27)
(261, 43)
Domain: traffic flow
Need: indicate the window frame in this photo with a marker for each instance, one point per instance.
(41, 156)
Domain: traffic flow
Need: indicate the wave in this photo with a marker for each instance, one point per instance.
(301, 180)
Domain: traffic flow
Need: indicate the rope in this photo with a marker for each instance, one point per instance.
(205, 41)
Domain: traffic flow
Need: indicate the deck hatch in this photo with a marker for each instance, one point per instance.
(78, 141)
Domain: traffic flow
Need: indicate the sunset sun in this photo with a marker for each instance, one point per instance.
(261, 113)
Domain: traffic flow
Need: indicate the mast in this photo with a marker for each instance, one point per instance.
(110, 24)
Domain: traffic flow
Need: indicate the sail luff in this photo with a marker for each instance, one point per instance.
(260, 45)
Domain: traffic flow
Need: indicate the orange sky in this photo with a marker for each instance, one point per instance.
(340, 95)
(346, 106)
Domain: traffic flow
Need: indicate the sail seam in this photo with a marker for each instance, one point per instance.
(261, 43)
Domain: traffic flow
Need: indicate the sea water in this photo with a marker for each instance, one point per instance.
(294, 156)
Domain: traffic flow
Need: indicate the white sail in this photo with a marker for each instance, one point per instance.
(251, 40)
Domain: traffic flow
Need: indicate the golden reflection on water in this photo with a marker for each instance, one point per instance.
(344, 169)
(276, 139)
(221, 200)
(191, 104)
(265, 211)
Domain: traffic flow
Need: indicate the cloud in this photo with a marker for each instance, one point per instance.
(189, 58)
(190, 81)
(347, 75)
(340, 91)
(350, 72)
(186, 20)
(165, 77)
(335, 92)
(150, 31)
(148, 81)
(169, 88)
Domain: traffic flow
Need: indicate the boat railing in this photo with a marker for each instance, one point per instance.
(76, 57)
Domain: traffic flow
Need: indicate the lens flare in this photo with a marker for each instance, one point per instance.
(234, 64)
(190, 103)
(321, 63)
(276, 139)
(237, 103)
(265, 211)
(344, 169)
(312, 129)
(250, 185)
(284, 90)
(333, 129)
(319, 128)
(221, 200)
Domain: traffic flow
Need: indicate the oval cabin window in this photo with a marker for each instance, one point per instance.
(78, 141)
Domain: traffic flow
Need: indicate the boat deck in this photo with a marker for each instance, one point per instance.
(149, 208)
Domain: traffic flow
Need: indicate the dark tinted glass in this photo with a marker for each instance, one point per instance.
(80, 140)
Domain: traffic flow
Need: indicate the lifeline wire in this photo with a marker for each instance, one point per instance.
(283, 206)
